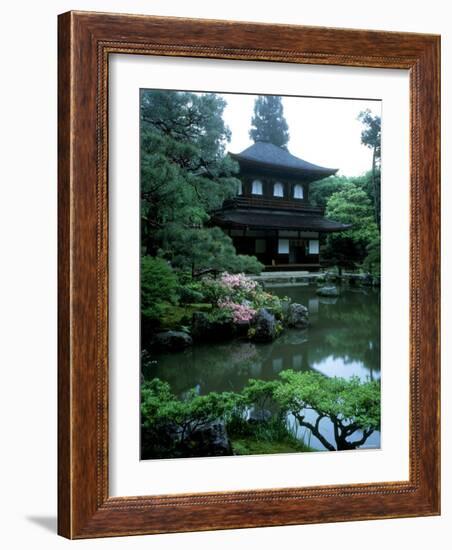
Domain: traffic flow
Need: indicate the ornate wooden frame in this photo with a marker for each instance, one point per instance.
(85, 42)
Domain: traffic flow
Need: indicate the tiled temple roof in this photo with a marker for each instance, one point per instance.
(265, 219)
(268, 155)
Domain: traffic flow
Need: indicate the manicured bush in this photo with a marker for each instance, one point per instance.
(213, 290)
(191, 293)
(159, 288)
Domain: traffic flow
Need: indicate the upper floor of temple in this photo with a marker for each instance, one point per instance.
(271, 176)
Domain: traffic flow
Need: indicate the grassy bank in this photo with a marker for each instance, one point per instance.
(176, 316)
(254, 446)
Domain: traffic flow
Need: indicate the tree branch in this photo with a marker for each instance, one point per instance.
(315, 431)
(365, 437)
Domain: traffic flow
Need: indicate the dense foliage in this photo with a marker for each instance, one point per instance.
(355, 201)
(268, 123)
(371, 137)
(159, 287)
(169, 299)
(352, 206)
(351, 405)
(170, 424)
(185, 174)
(321, 191)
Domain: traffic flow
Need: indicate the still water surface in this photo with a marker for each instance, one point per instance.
(343, 339)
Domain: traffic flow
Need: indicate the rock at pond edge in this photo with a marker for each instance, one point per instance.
(263, 327)
(328, 291)
(297, 316)
(171, 340)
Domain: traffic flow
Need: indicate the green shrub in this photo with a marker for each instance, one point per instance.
(371, 263)
(271, 303)
(245, 264)
(218, 315)
(191, 293)
(163, 416)
(351, 405)
(212, 290)
(159, 287)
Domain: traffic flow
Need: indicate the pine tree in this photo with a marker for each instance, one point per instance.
(268, 123)
(371, 137)
(185, 175)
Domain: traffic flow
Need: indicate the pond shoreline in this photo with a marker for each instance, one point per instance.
(271, 279)
(342, 340)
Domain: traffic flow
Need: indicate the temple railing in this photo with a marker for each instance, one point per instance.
(274, 204)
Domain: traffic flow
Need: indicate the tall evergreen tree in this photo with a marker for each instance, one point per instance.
(349, 248)
(268, 123)
(185, 174)
(371, 137)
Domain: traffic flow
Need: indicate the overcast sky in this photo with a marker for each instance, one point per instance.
(323, 131)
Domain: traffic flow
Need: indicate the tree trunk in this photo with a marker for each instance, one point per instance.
(315, 432)
(374, 187)
(344, 445)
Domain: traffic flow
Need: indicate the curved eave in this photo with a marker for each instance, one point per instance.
(236, 219)
(311, 175)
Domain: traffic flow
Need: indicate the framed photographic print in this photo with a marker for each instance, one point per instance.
(248, 275)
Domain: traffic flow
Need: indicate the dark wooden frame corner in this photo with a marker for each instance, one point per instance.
(86, 40)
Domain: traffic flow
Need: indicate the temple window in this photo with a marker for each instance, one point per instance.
(283, 246)
(313, 246)
(257, 188)
(278, 190)
(298, 191)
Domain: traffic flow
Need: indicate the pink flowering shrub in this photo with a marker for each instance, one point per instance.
(240, 296)
(238, 282)
(240, 312)
(236, 288)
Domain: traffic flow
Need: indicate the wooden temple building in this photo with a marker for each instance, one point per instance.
(271, 217)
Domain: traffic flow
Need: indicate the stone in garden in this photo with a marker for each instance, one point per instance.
(242, 328)
(171, 340)
(258, 414)
(264, 326)
(328, 291)
(298, 316)
(210, 440)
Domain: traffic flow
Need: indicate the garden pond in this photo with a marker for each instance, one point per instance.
(343, 340)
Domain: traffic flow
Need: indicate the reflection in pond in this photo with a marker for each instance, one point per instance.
(343, 340)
